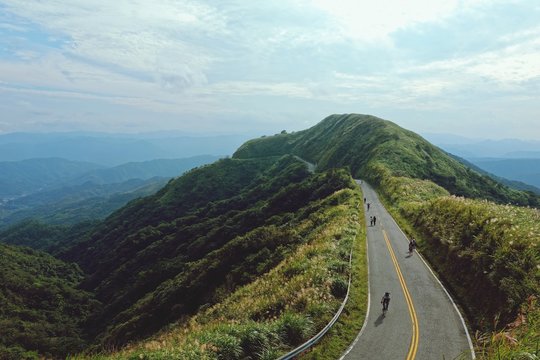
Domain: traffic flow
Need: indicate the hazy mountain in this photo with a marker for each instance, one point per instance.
(525, 170)
(113, 149)
(484, 148)
(76, 203)
(28, 176)
(59, 191)
(143, 170)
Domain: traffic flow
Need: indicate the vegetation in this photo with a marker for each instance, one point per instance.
(488, 252)
(50, 238)
(41, 309)
(283, 307)
(374, 149)
(247, 257)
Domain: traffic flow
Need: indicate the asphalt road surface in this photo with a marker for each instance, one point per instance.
(421, 322)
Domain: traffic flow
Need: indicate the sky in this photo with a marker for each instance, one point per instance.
(470, 68)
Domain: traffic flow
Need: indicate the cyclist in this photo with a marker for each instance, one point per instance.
(412, 245)
(385, 301)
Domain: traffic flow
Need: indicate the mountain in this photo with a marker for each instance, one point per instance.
(22, 177)
(486, 148)
(204, 234)
(73, 204)
(248, 256)
(142, 170)
(374, 149)
(42, 308)
(113, 149)
(67, 197)
(524, 170)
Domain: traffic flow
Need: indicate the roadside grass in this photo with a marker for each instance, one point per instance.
(489, 255)
(344, 332)
(279, 310)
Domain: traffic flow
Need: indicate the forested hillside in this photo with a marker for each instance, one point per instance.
(199, 238)
(41, 308)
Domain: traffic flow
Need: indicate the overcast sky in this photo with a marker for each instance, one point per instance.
(464, 67)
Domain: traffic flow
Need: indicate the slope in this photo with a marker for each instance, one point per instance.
(41, 307)
(218, 227)
(375, 149)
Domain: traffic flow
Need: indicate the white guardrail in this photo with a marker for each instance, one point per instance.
(315, 339)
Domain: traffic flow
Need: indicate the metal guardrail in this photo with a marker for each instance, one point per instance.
(315, 339)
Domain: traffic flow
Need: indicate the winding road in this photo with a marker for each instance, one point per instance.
(422, 321)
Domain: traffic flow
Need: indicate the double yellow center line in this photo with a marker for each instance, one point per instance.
(413, 347)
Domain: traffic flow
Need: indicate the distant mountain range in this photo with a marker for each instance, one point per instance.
(509, 159)
(485, 148)
(61, 191)
(113, 149)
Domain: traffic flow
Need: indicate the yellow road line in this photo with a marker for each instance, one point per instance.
(413, 347)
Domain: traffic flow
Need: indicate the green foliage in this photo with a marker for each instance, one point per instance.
(375, 149)
(492, 248)
(487, 253)
(519, 340)
(50, 238)
(278, 309)
(41, 309)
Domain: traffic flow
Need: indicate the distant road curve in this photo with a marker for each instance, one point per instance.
(422, 321)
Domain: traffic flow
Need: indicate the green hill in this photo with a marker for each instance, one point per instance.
(200, 237)
(376, 149)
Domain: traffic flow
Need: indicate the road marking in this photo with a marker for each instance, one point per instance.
(413, 347)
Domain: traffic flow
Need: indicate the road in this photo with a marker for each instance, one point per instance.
(422, 322)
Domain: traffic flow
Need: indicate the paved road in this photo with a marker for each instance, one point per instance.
(422, 322)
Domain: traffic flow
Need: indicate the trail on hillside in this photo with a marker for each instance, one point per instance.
(422, 322)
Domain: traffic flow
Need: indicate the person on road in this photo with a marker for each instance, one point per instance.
(374, 220)
(385, 301)
(371, 221)
(368, 206)
(412, 245)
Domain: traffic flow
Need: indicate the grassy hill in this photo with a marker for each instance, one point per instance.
(374, 149)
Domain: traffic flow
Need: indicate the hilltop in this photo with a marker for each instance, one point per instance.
(373, 149)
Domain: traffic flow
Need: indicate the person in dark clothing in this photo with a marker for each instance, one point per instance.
(385, 301)
(374, 220)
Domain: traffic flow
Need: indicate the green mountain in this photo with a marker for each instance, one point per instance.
(86, 194)
(41, 308)
(204, 234)
(374, 149)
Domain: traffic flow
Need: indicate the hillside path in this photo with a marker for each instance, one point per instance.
(422, 322)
